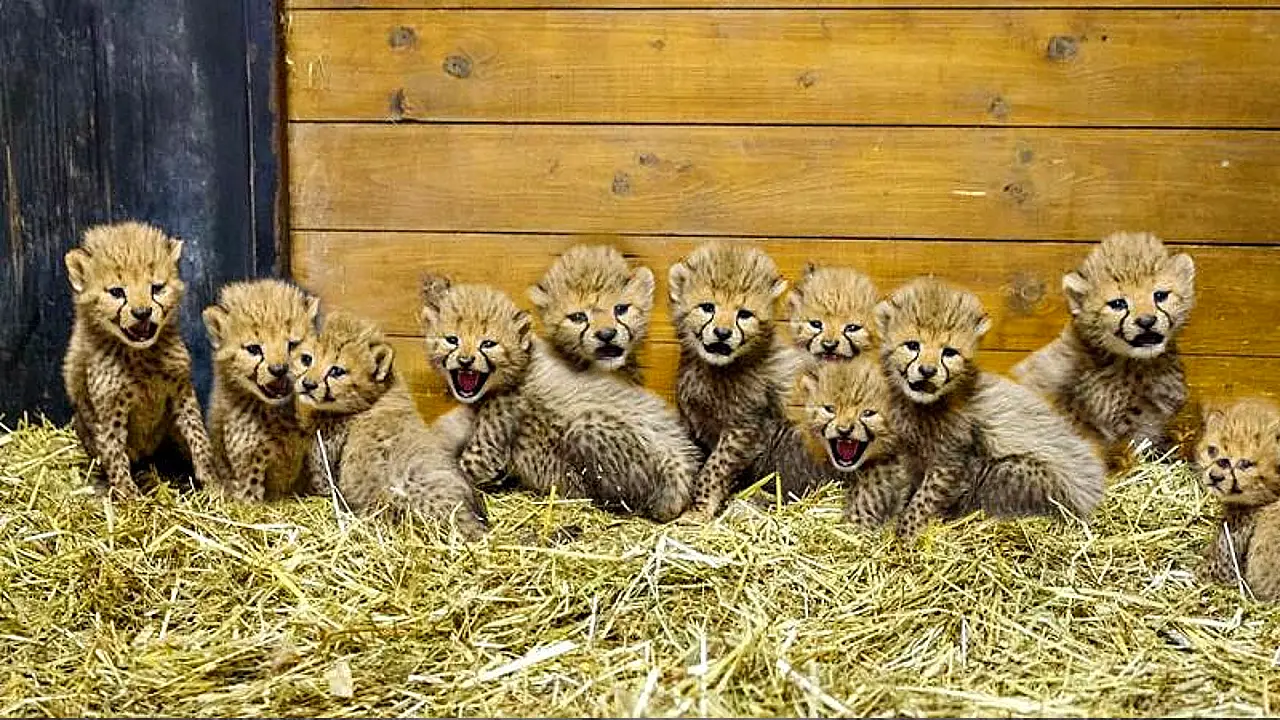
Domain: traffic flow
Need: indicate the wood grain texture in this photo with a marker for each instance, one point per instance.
(1050, 184)
(916, 67)
(1211, 377)
(861, 4)
(377, 274)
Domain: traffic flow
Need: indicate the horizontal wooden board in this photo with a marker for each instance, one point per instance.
(377, 274)
(1051, 184)
(860, 4)
(916, 67)
(1211, 377)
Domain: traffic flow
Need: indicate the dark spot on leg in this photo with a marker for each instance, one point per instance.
(1135, 411)
(117, 424)
(621, 183)
(1062, 48)
(458, 66)
(402, 37)
(807, 79)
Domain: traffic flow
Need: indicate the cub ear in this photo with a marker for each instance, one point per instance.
(884, 313)
(984, 325)
(1184, 268)
(77, 261)
(215, 324)
(1212, 416)
(1075, 287)
(808, 381)
(524, 328)
(175, 251)
(809, 269)
(433, 290)
(313, 308)
(539, 297)
(795, 301)
(641, 283)
(677, 278)
(779, 287)
(383, 354)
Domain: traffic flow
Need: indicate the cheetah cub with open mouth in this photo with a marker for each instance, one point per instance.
(127, 371)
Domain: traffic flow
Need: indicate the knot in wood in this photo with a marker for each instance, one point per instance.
(402, 37)
(458, 66)
(1062, 48)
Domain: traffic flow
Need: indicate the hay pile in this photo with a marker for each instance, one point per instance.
(188, 606)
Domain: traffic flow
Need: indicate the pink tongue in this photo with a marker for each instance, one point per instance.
(846, 449)
(468, 380)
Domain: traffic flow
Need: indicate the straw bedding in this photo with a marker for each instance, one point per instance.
(180, 604)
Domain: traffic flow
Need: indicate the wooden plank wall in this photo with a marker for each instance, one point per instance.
(986, 144)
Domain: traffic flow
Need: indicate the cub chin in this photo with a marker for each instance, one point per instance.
(380, 453)
(843, 411)
(557, 429)
(833, 312)
(1115, 367)
(1238, 456)
(595, 309)
(977, 440)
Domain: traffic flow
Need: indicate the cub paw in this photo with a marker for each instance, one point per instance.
(124, 489)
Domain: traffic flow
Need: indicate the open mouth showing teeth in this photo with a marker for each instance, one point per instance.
(718, 348)
(1148, 338)
(831, 355)
(608, 352)
(846, 452)
(922, 386)
(140, 332)
(277, 389)
(467, 383)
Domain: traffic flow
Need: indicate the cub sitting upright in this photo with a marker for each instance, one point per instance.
(1239, 454)
(843, 409)
(978, 440)
(1115, 367)
(734, 372)
(587, 435)
(595, 308)
(833, 312)
(380, 453)
(255, 329)
(127, 371)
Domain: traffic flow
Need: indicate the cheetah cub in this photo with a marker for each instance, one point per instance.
(255, 328)
(1239, 455)
(585, 435)
(1115, 367)
(832, 312)
(127, 371)
(734, 372)
(595, 308)
(844, 411)
(979, 440)
(380, 453)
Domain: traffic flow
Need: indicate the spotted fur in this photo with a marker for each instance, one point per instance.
(127, 371)
(832, 312)
(978, 440)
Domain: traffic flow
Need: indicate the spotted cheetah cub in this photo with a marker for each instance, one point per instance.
(1239, 456)
(734, 372)
(595, 308)
(380, 453)
(844, 411)
(980, 441)
(1115, 367)
(127, 371)
(832, 312)
(255, 329)
(585, 435)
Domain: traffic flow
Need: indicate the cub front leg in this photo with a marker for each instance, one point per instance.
(1224, 555)
(247, 465)
(938, 488)
(875, 495)
(188, 425)
(734, 451)
(484, 458)
(111, 444)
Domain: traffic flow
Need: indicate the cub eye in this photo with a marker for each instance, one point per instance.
(868, 413)
(815, 324)
(1212, 450)
(451, 339)
(852, 328)
(911, 345)
(950, 352)
(157, 288)
(305, 359)
(488, 344)
(116, 292)
(253, 349)
(1161, 295)
(829, 409)
(1245, 464)
(621, 309)
(1119, 304)
(708, 308)
(293, 345)
(1224, 463)
(577, 317)
(745, 314)
(337, 372)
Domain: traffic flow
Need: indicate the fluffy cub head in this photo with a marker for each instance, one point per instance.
(594, 307)
(476, 337)
(832, 312)
(843, 409)
(931, 333)
(124, 278)
(345, 368)
(256, 328)
(1239, 452)
(722, 298)
(1130, 297)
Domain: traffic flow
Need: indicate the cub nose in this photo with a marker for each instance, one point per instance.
(142, 313)
(830, 345)
(606, 334)
(722, 333)
(844, 430)
(278, 370)
(309, 384)
(466, 361)
(1146, 322)
(928, 371)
